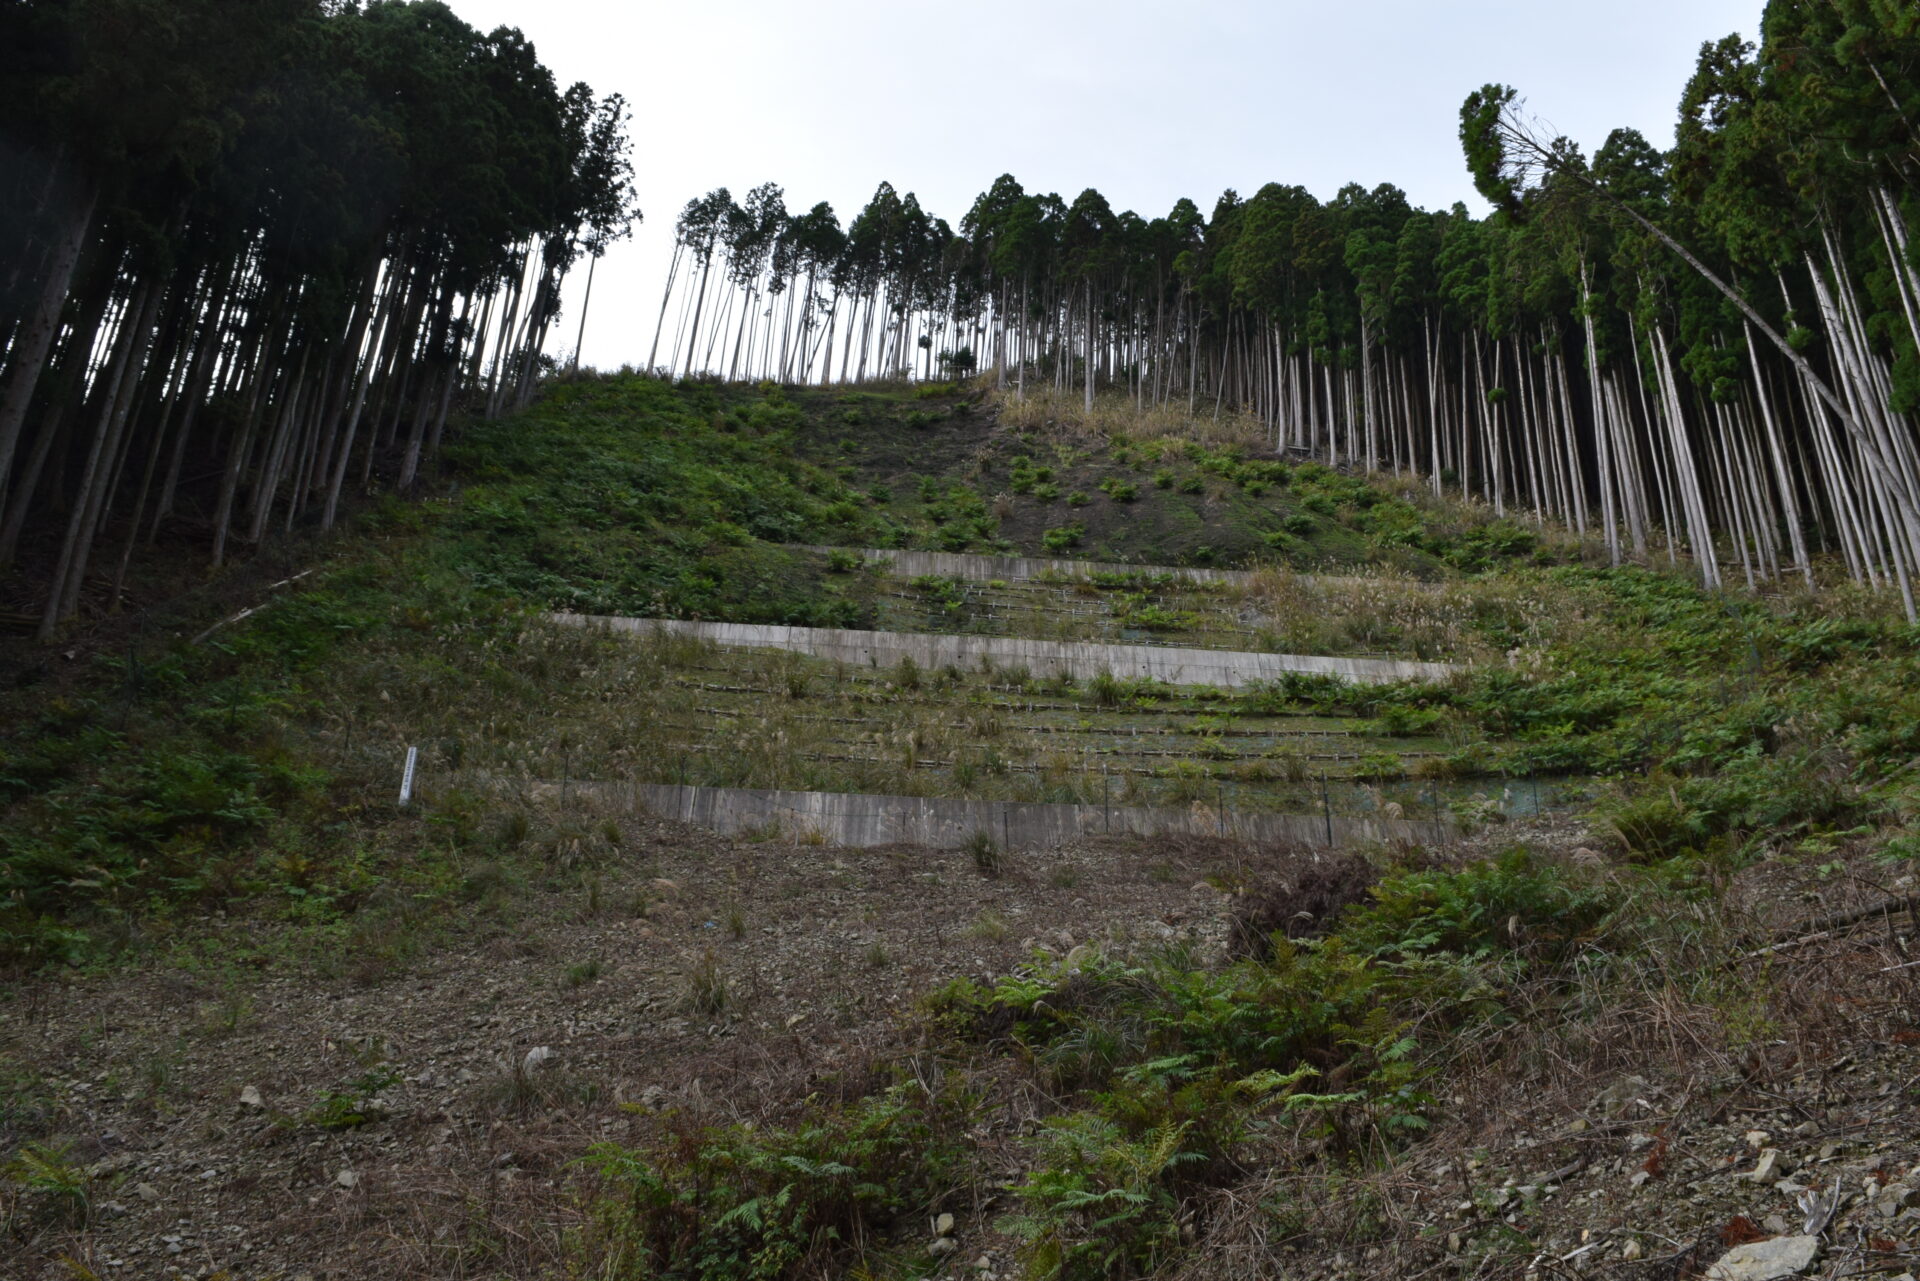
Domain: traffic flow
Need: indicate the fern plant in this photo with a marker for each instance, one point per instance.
(1100, 1204)
(60, 1182)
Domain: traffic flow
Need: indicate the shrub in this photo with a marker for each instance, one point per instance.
(1667, 817)
(1511, 902)
(1025, 476)
(759, 1203)
(1379, 766)
(1485, 545)
(54, 1175)
(1100, 1203)
(353, 1106)
(1401, 720)
(947, 596)
(1061, 538)
(1306, 905)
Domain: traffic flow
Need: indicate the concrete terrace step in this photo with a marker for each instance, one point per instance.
(1013, 569)
(1082, 660)
(860, 819)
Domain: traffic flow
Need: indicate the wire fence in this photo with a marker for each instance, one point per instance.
(971, 565)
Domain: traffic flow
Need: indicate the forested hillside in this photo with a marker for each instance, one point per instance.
(256, 249)
(265, 248)
(1706, 352)
(1061, 745)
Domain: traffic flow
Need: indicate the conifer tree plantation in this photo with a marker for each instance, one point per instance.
(1301, 739)
(259, 249)
(1709, 352)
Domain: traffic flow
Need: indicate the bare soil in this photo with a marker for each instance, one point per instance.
(205, 1105)
(148, 1077)
(1648, 1139)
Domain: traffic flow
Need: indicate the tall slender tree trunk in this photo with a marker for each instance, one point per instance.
(350, 428)
(580, 336)
(63, 593)
(1089, 401)
(30, 351)
(241, 451)
(699, 305)
(666, 296)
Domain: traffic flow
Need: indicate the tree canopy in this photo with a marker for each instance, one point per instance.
(1711, 350)
(260, 245)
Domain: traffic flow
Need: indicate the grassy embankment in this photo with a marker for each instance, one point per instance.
(257, 768)
(254, 775)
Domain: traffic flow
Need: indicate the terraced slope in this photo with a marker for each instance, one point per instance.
(1267, 611)
(737, 717)
(993, 713)
(260, 1016)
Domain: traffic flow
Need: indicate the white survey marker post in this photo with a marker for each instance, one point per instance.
(406, 777)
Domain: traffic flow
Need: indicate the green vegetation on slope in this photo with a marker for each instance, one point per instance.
(254, 775)
(634, 497)
(260, 767)
(1578, 351)
(257, 770)
(1133, 485)
(1156, 1081)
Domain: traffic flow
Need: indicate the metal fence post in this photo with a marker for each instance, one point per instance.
(1326, 807)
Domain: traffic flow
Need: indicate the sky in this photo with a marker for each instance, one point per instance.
(1145, 102)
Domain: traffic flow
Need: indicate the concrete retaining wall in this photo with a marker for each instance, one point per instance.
(1222, 668)
(854, 819)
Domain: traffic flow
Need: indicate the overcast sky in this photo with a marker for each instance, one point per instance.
(1146, 102)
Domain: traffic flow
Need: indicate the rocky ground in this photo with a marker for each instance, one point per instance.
(288, 1124)
(313, 1119)
(1633, 1145)
(1817, 1171)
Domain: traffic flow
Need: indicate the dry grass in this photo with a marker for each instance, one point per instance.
(659, 709)
(1669, 994)
(1385, 611)
(1119, 417)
